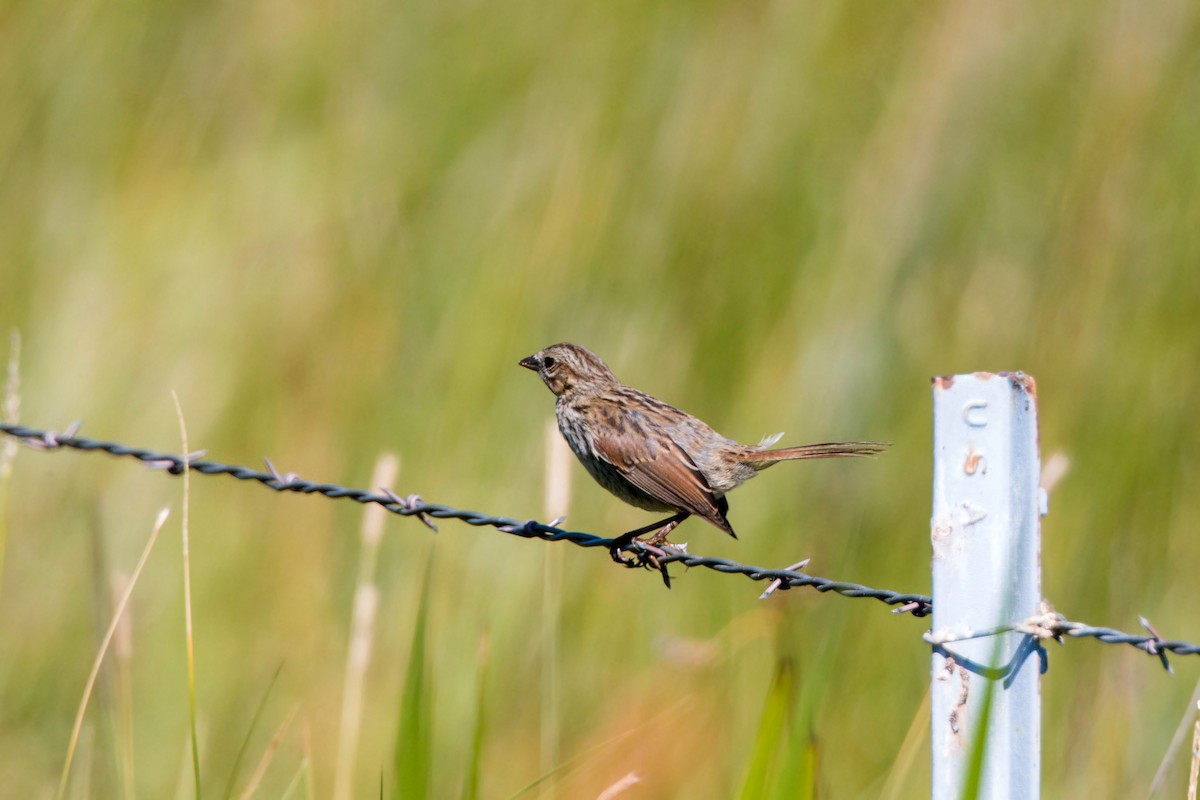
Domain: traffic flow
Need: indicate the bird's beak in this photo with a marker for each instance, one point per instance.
(531, 362)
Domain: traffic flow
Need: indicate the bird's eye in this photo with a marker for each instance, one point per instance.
(548, 362)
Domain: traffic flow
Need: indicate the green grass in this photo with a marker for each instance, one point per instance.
(333, 230)
(415, 726)
(770, 738)
(241, 753)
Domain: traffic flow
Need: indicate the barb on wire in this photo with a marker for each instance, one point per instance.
(775, 584)
(414, 506)
(1047, 624)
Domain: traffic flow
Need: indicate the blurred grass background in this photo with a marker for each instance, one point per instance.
(333, 229)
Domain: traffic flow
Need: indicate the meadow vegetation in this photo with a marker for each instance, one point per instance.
(333, 229)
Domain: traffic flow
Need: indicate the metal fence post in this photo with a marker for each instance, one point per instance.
(986, 534)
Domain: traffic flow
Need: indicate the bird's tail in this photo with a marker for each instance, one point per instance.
(761, 459)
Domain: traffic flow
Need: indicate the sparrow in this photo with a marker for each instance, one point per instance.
(652, 455)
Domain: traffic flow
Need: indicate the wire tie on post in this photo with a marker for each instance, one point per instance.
(1046, 624)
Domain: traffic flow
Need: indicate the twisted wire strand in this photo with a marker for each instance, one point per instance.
(1049, 624)
(413, 506)
(1154, 645)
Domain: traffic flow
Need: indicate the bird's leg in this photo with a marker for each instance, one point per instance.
(664, 526)
(669, 522)
(654, 547)
(660, 538)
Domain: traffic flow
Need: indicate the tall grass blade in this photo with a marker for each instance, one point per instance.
(973, 779)
(303, 779)
(1160, 775)
(8, 448)
(187, 601)
(362, 631)
(268, 755)
(917, 735)
(241, 754)
(475, 756)
(108, 636)
(413, 732)
(772, 729)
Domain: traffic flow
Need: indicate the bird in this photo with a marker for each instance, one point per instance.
(651, 454)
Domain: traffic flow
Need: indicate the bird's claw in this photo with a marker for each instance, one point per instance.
(620, 545)
(644, 555)
(651, 556)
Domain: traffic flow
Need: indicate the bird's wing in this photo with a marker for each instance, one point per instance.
(663, 470)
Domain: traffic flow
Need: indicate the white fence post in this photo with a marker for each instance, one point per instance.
(986, 534)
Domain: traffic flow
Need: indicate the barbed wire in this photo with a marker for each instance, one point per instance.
(1046, 625)
(414, 506)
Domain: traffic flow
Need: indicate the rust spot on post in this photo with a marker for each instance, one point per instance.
(1022, 381)
(960, 708)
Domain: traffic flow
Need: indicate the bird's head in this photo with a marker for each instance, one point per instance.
(569, 368)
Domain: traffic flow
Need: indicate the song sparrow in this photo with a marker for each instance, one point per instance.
(650, 454)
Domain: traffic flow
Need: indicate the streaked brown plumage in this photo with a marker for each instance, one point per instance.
(650, 454)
